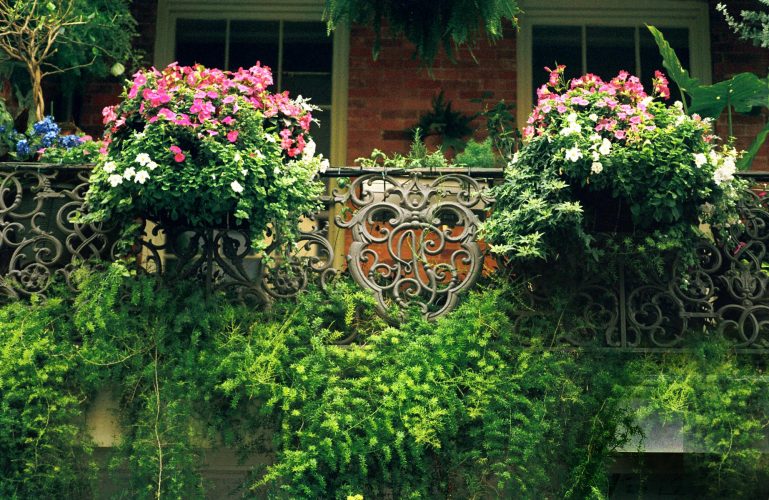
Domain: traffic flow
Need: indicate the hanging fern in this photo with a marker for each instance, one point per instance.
(428, 25)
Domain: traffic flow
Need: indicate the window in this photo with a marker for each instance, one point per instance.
(289, 37)
(604, 37)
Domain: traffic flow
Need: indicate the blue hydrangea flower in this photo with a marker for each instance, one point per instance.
(49, 139)
(45, 126)
(22, 147)
(70, 141)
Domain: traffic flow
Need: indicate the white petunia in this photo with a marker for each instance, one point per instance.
(259, 155)
(235, 185)
(269, 138)
(593, 117)
(596, 155)
(323, 165)
(700, 159)
(129, 172)
(141, 176)
(143, 158)
(605, 147)
(152, 165)
(115, 179)
(110, 167)
(713, 157)
(237, 157)
(572, 118)
(309, 150)
(678, 105)
(516, 156)
(244, 171)
(596, 167)
(573, 154)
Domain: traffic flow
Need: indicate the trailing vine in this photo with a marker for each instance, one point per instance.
(468, 406)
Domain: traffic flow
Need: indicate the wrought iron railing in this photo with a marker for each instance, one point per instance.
(410, 237)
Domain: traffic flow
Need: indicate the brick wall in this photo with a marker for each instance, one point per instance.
(387, 96)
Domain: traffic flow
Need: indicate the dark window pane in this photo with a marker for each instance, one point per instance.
(252, 41)
(306, 47)
(200, 41)
(652, 60)
(316, 86)
(610, 50)
(321, 134)
(553, 45)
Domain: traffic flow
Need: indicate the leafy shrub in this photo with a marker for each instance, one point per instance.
(468, 406)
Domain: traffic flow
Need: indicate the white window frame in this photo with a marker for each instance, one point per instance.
(265, 10)
(691, 14)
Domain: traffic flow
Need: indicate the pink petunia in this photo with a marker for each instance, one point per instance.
(232, 135)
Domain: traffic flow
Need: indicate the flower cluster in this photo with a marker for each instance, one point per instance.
(45, 141)
(609, 143)
(209, 147)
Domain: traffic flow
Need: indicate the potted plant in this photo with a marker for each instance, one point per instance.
(607, 157)
(206, 148)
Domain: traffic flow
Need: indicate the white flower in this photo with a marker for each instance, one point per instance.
(141, 176)
(235, 185)
(324, 165)
(678, 105)
(244, 171)
(110, 167)
(713, 157)
(269, 138)
(309, 150)
(115, 179)
(259, 155)
(276, 171)
(516, 156)
(143, 158)
(605, 147)
(596, 167)
(595, 138)
(237, 157)
(596, 155)
(700, 159)
(152, 165)
(593, 117)
(573, 154)
(680, 119)
(129, 172)
(572, 118)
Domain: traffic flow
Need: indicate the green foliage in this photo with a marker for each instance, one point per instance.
(722, 402)
(451, 126)
(65, 37)
(752, 25)
(44, 451)
(470, 406)
(741, 93)
(478, 154)
(427, 25)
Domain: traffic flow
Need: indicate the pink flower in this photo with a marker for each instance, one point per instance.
(228, 120)
(619, 134)
(561, 108)
(109, 114)
(178, 155)
(232, 135)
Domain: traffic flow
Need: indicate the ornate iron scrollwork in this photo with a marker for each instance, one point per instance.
(414, 239)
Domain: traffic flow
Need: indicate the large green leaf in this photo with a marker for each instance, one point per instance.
(672, 64)
(751, 153)
(742, 92)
